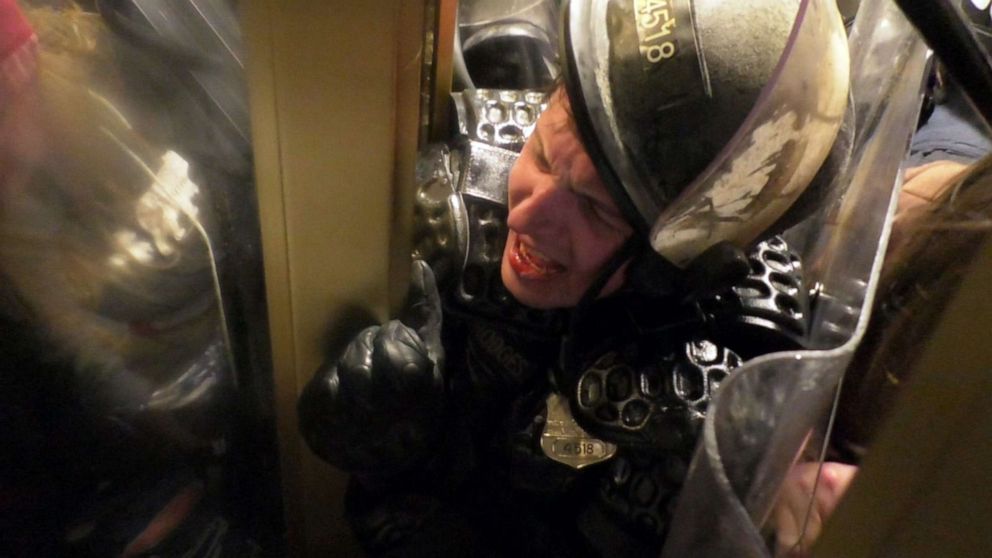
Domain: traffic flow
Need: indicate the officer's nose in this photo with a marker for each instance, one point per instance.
(543, 207)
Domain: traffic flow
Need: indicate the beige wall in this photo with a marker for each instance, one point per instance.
(335, 104)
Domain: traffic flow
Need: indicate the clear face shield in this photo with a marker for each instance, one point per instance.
(741, 109)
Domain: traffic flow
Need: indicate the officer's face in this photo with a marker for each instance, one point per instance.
(564, 225)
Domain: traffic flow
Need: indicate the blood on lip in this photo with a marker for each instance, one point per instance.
(532, 265)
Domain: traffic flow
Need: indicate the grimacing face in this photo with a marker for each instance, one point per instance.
(563, 223)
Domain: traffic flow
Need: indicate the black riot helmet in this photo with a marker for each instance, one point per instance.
(706, 118)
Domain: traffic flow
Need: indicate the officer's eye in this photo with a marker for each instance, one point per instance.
(539, 157)
(602, 212)
(594, 208)
(542, 162)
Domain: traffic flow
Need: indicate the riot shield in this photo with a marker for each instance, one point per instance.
(771, 413)
(136, 405)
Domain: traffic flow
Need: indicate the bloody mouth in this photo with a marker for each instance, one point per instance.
(531, 264)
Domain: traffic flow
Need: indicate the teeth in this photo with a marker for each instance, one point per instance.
(532, 258)
(536, 258)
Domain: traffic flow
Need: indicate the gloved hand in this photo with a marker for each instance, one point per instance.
(379, 408)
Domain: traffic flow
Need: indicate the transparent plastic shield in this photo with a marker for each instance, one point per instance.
(769, 411)
(108, 238)
(775, 153)
(723, 137)
(130, 281)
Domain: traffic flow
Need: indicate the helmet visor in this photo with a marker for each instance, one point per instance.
(706, 131)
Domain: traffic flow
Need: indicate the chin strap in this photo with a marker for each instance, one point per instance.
(654, 276)
(566, 357)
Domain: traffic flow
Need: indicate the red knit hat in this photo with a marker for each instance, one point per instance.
(18, 49)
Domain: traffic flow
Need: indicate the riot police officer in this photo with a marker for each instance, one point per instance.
(600, 296)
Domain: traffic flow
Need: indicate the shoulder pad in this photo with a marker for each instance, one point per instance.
(502, 118)
(440, 230)
(767, 311)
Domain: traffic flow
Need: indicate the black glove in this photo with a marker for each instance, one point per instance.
(379, 409)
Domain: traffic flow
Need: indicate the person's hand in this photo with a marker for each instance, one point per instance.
(378, 409)
(922, 187)
(923, 184)
(789, 515)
